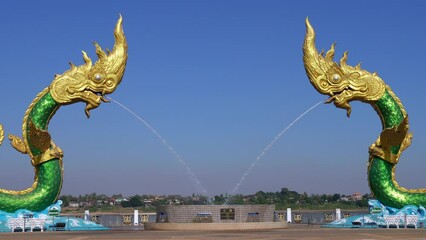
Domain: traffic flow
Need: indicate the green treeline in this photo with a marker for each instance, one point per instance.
(292, 199)
(283, 199)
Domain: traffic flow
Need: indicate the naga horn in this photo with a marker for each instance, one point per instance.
(119, 52)
(113, 63)
(316, 65)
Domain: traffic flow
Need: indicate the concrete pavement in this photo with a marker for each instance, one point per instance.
(293, 232)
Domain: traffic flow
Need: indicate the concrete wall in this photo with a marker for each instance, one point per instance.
(116, 219)
(243, 213)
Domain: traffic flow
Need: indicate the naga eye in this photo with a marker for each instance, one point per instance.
(98, 77)
(336, 77)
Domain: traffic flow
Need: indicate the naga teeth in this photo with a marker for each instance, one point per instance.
(104, 99)
(330, 99)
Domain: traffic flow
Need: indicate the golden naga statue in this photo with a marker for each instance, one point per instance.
(344, 83)
(88, 83)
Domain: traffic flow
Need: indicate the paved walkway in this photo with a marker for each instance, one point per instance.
(293, 232)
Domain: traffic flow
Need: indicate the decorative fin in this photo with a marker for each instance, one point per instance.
(40, 139)
(395, 136)
(18, 144)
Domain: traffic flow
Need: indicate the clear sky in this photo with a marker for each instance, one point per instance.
(218, 80)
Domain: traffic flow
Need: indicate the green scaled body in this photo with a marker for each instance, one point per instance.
(48, 175)
(381, 173)
(44, 194)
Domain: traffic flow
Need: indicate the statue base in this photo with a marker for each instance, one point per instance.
(47, 220)
(381, 216)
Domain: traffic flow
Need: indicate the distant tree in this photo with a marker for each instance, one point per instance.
(260, 198)
(204, 199)
(303, 197)
(284, 191)
(368, 196)
(323, 198)
(117, 196)
(219, 199)
(160, 202)
(236, 199)
(335, 197)
(134, 201)
(92, 197)
(315, 200)
(66, 199)
(102, 197)
(362, 203)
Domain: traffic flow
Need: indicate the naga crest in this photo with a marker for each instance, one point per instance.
(89, 83)
(343, 83)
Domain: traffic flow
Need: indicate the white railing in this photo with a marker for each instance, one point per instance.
(26, 223)
(397, 219)
(411, 220)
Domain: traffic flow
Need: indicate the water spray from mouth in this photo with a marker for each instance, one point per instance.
(268, 147)
(191, 174)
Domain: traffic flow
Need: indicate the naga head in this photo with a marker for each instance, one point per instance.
(90, 82)
(341, 82)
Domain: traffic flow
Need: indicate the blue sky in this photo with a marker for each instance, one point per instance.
(218, 80)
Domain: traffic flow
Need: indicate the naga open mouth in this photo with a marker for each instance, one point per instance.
(336, 96)
(100, 95)
(342, 97)
(93, 99)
